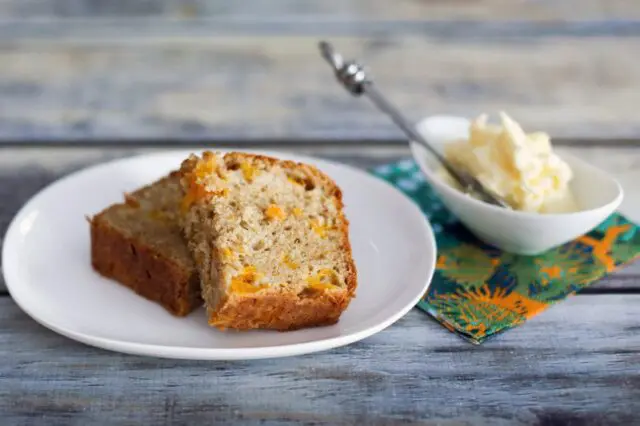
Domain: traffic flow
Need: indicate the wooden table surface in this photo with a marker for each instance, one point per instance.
(575, 364)
(84, 81)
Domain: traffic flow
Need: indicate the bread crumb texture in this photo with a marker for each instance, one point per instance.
(270, 240)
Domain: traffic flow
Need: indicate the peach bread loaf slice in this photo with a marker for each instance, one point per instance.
(270, 241)
(139, 244)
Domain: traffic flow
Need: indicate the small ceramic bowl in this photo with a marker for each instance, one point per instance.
(596, 192)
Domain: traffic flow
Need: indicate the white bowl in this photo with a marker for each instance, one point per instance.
(596, 192)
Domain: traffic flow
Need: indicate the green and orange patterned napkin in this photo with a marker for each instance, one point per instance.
(479, 290)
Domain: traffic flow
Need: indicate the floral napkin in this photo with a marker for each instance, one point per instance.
(479, 291)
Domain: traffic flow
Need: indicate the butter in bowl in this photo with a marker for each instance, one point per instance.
(553, 198)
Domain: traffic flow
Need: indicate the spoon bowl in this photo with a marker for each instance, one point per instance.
(597, 195)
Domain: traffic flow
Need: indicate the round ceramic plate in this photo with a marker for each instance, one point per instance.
(47, 268)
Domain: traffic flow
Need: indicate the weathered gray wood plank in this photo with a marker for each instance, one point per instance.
(24, 171)
(204, 70)
(257, 87)
(575, 364)
(122, 29)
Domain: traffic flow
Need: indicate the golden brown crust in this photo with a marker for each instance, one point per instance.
(283, 310)
(141, 267)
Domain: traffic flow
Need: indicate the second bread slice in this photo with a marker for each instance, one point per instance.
(270, 241)
(139, 244)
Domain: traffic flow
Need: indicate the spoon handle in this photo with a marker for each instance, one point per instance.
(355, 80)
(385, 106)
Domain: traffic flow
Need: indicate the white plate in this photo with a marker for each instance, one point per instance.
(48, 273)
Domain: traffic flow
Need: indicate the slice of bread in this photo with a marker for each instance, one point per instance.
(139, 244)
(270, 241)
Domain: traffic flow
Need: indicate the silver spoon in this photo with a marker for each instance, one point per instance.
(355, 80)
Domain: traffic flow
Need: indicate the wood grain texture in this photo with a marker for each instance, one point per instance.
(277, 87)
(574, 364)
(24, 171)
(199, 70)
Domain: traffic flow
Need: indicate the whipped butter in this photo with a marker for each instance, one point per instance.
(519, 167)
